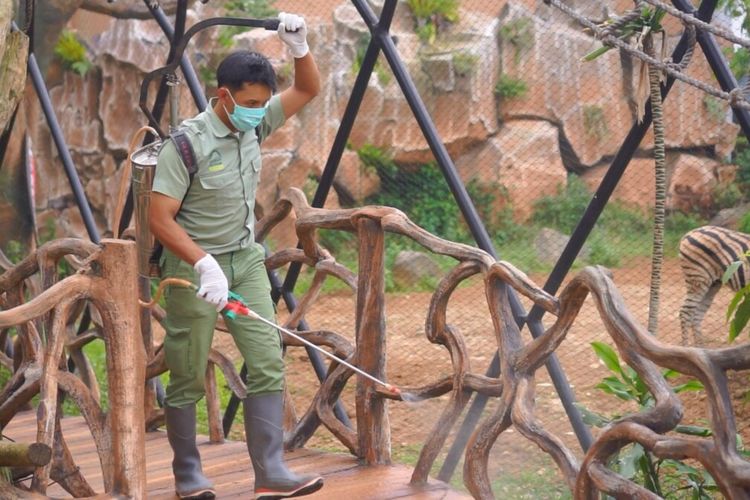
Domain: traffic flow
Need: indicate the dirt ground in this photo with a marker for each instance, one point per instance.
(413, 361)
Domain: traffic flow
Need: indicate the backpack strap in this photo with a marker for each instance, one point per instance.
(186, 152)
(187, 155)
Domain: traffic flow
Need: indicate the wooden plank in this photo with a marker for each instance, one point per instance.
(228, 466)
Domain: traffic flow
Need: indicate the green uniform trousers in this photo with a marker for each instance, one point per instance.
(190, 326)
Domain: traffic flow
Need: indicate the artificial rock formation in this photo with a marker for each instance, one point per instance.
(572, 116)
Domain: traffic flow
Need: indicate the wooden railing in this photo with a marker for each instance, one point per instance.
(47, 337)
(520, 358)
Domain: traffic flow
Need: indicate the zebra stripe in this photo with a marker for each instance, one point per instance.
(710, 250)
(705, 254)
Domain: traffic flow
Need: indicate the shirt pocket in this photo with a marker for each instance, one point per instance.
(216, 180)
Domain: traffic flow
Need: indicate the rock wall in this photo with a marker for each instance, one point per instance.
(572, 117)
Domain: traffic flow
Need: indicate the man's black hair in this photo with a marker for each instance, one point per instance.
(245, 66)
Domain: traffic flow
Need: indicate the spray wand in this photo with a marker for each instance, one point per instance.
(236, 305)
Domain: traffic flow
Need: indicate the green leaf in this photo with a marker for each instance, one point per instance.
(740, 319)
(620, 390)
(595, 53)
(591, 418)
(694, 430)
(692, 385)
(742, 292)
(608, 357)
(731, 269)
(629, 459)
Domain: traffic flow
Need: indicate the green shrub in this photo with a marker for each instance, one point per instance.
(594, 122)
(726, 195)
(668, 478)
(244, 8)
(744, 225)
(509, 87)
(741, 158)
(563, 210)
(464, 63)
(520, 34)
(740, 62)
(430, 14)
(72, 53)
(384, 76)
(714, 107)
(421, 192)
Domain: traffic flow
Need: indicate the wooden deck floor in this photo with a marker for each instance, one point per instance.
(228, 466)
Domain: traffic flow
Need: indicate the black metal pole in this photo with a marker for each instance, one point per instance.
(339, 142)
(715, 58)
(62, 148)
(566, 259)
(188, 72)
(472, 217)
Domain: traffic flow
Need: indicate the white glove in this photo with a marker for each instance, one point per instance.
(293, 32)
(214, 288)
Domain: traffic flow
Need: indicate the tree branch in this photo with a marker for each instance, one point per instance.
(128, 9)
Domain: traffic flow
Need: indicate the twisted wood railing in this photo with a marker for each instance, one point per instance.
(370, 440)
(46, 330)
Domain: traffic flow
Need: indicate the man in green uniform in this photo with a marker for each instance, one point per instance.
(206, 226)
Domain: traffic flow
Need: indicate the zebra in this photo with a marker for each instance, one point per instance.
(705, 254)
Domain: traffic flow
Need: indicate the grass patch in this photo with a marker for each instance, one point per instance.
(542, 483)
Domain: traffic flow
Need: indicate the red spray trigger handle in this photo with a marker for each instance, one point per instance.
(235, 305)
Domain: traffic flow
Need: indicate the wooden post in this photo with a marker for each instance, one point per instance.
(116, 298)
(24, 455)
(213, 406)
(373, 427)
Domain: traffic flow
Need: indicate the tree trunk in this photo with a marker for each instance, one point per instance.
(14, 48)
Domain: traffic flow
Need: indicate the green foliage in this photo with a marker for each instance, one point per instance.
(738, 311)
(14, 251)
(72, 53)
(96, 355)
(384, 76)
(594, 122)
(665, 477)
(509, 87)
(421, 192)
(739, 61)
(649, 22)
(244, 8)
(744, 225)
(431, 14)
(737, 9)
(520, 34)
(207, 75)
(464, 63)
(715, 107)
(726, 195)
(741, 158)
(563, 210)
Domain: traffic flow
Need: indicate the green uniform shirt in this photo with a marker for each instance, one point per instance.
(217, 212)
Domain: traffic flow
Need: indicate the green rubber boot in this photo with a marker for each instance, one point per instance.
(265, 442)
(189, 481)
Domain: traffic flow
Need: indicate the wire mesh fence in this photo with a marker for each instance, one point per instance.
(532, 130)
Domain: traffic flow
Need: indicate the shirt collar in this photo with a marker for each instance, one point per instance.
(218, 127)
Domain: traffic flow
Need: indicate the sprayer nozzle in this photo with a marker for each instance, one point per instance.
(393, 389)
